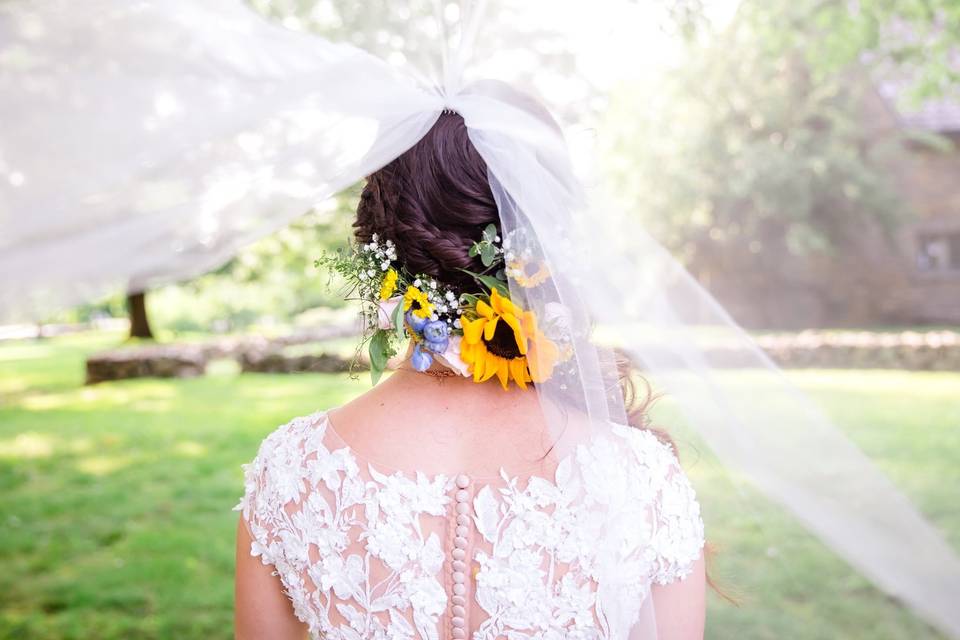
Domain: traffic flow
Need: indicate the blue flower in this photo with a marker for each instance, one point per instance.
(436, 334)
(416, 323)
(421, 360)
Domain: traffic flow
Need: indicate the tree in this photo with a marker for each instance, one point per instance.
(917, 39)
(137, 310)
(751, 164)
(740, 153)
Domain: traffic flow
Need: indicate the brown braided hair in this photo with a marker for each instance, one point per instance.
(433, 202)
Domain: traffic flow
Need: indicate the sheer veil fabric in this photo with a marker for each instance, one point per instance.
(145, 142)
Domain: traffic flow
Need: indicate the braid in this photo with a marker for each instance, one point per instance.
(433, 202)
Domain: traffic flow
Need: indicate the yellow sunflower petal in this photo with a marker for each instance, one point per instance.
(529, 321)
(477, 367)
(473, 329)
(495, 299)
(518, 369)
(503, 372)
(542, 358)
(503, 304)
(484, 310)
(490, 329)
(490, 367)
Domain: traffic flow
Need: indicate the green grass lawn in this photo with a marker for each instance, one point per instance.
(116, 521)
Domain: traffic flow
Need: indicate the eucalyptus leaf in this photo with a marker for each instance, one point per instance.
(398, 325)
(487, 254)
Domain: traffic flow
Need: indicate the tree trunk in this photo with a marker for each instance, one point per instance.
(139, 322)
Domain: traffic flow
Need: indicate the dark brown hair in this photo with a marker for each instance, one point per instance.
(433, 202)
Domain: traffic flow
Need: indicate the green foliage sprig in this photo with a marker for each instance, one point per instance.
(488, 248)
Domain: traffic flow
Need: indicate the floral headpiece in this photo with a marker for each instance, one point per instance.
(480, 333)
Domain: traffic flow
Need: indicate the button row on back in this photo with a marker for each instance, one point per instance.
(460, 543)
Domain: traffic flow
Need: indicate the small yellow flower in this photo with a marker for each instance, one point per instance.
(389, 284)
(417, 303)
(504, 340)
(528, 273)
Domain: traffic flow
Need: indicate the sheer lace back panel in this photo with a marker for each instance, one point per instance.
(364, 552)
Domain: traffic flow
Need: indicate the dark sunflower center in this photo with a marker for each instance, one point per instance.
(531, 269)
(415, 305)
(504, 343)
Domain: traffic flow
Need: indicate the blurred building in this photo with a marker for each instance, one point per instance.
(878, 276)
(928, 176)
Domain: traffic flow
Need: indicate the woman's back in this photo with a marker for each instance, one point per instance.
(436, 508)
(468, 495)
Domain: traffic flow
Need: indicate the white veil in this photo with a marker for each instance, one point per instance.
(145, 142)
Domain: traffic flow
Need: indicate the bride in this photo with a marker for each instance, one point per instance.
(438, 504)
(504, 481)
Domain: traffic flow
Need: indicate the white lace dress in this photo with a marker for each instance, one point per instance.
(364, 552)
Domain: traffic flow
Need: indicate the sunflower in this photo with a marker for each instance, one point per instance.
(504, 340)
(417, 303)
(389, 284)
(528, 273)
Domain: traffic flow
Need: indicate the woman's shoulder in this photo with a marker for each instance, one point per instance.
(665, 491)
(289, 443)
(648, 448)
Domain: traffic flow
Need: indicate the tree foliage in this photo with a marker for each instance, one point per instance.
(753, 147)
(915, 39)
(740, 155)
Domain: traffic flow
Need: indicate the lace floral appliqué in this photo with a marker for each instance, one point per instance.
(361, 553)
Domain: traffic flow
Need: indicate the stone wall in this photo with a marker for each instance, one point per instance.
(154, 361)
(910, 350)
(254, 353)
(279, 362)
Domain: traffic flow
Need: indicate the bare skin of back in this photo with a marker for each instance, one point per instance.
(414, 421)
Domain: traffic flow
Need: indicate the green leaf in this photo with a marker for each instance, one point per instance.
(398, 325)
(490, 233)
(469, 299)
(474, 250)
(492, 283)
(489, 282)
(379, 350)
(487, 254)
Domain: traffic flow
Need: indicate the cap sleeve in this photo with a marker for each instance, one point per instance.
(673, 540)
(273, 486)
(677, 527)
